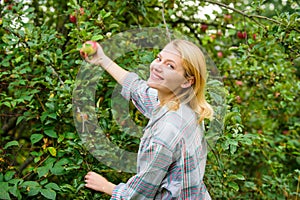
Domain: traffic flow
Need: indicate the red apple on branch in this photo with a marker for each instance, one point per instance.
(10, 7)
(220, 54)
(72, 19)
(204, 27)
(254, 36)
(239, 82)
(89, 48)
(81, 11)
(227, 18)
(241, 35)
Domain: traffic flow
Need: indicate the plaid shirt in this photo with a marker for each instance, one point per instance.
(172, 153)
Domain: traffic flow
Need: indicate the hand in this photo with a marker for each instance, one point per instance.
(97, 58)
(99, 183)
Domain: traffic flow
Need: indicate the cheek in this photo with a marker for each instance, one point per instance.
(174, 80)
(152, 65)
(175, 76)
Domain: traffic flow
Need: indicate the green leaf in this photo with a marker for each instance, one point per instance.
(42, 171)
(233, 149)
(4, 190)
(15, 191)
(32, 187)
(20, 119)
(52, 115)
(234, 185)
(70, 135)
(52, 151)
(4, 186)
(48, 193)
(240, 177)
(50, 133)
(97, 37)
(33, 191)
(60, 138)
(16, 181)
(11, 143)
(9, 175)
(30, 184)
(18, 59)
(34, 138)
(82, 185)
(58, 168)
(53, 186)
(7, 104)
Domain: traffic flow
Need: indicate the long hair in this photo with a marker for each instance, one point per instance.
(194, 64)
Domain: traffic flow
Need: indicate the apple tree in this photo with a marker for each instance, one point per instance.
(254, 44)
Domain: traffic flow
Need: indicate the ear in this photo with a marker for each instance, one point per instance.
(188, 82)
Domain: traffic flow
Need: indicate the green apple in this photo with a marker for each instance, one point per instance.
(89, 48)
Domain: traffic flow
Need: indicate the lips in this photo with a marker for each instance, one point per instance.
(155, 76)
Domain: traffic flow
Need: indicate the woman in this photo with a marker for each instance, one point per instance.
(172, 152)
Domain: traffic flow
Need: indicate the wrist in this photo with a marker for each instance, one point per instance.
(105, 61)
(109, 188)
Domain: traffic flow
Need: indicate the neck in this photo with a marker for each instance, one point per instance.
(170, 100)
(165, 98)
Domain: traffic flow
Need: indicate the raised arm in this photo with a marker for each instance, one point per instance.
(99, 58)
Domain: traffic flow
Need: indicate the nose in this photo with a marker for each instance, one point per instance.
(157, 67)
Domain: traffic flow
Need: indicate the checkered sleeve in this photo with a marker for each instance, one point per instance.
(143, 97)
(145, 185)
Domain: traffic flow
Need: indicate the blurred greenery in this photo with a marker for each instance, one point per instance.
(254, 44)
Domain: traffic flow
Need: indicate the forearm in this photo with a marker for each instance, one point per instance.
(117, 72)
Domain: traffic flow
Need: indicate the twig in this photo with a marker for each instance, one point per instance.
(248, 16)
(40, 101)
(298, 184)
(30, 173)
(56, 74)
(165, 23)
(25, 164)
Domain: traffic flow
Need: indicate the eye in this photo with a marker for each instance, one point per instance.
(171, 66)
(158, 58)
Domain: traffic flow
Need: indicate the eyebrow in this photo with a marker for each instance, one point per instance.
(169, 60)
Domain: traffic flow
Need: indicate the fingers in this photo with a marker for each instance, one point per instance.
(83, 54)
(94, 181)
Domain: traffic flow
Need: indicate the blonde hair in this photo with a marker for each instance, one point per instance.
(194, 63)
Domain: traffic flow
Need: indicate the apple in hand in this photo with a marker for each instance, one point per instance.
(89, 48)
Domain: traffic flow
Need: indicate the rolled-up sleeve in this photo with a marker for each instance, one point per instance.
(144, 185)
(143, 97)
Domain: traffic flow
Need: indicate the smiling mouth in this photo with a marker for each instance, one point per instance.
(154, 76)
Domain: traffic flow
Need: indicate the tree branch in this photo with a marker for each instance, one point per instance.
(165, 23)
(252, 17)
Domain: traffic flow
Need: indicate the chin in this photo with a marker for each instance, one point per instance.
(152, 84)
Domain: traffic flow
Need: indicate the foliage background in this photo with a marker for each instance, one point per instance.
(42, 156)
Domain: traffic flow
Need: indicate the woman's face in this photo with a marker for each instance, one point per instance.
(166, 71)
